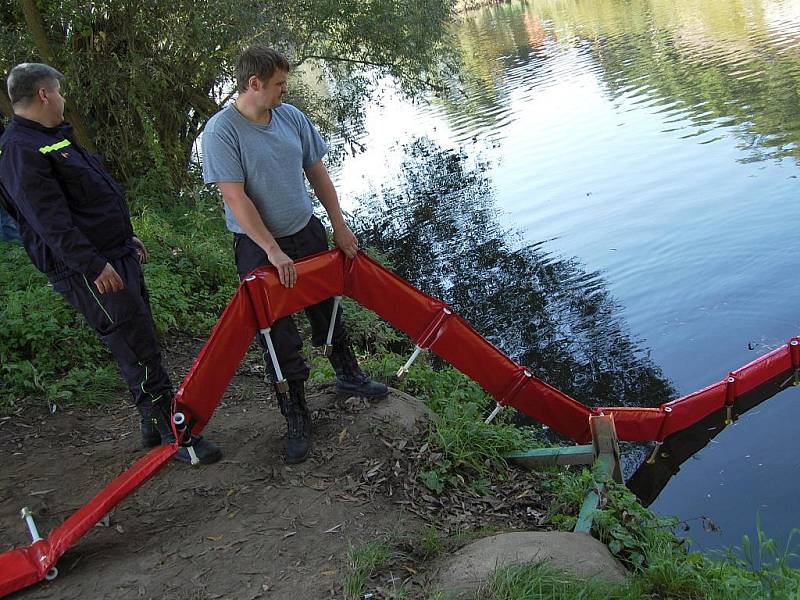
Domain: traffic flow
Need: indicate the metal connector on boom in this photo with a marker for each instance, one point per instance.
(27, 516)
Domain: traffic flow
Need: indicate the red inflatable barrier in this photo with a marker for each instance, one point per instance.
(22, 567)
(432, 324)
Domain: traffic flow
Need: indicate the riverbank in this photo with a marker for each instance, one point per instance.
(429, 490)
(390, 492)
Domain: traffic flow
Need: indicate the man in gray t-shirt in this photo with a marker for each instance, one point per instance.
(259, 152)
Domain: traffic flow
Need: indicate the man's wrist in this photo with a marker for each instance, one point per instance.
(338, 225)
(272, 247)
(96, 267)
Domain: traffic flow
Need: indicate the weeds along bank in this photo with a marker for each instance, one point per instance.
(48, 356)
(647, 544)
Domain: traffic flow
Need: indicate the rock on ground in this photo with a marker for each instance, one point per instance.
(575, 553)
(403, 412)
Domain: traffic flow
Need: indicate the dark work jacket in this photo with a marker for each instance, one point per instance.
(72, 215)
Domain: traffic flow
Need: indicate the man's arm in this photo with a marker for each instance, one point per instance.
(343, 236)
(248, 217)
(40, 200)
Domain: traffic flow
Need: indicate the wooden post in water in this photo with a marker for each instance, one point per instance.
(606, 466)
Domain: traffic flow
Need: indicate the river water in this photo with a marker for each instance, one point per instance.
(610, 194)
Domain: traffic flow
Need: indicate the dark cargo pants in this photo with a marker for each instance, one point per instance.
(285, 337)
(125, 324)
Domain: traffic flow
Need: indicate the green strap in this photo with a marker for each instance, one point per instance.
(54, 147)
(96, 299)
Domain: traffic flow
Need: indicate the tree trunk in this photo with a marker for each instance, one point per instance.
(33, 19)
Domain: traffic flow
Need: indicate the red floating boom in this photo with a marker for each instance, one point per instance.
(432, 324)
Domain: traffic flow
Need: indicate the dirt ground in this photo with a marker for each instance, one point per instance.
(249, 526)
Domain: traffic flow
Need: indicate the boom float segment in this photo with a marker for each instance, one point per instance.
(22, 567)
(433, 325)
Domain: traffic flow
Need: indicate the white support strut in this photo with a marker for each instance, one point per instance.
(27, 516)
(497, 410)
(280, 382)
(404, 369)
(329, 340)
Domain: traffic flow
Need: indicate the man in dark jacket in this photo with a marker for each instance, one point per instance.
(8, 226)
(76, 228)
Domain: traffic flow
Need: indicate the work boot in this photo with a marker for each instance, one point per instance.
(150, 436)
(350, 379)
(156, 426)
(298, 422)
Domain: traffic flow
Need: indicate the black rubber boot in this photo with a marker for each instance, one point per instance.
(150, 436)
(350, 379)
(298, 422)
(157, 429)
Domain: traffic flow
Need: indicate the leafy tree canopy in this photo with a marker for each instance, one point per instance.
(144, 77)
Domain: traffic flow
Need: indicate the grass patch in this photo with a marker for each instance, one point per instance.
(542, 582)
(362, 563)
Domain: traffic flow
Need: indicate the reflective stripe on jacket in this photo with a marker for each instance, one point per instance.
(72, 215)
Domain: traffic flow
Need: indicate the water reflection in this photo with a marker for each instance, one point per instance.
(652, 476)
(440, 230)
(709, 68)
(655, 141)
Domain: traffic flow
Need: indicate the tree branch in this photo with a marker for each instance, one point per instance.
(33, 19)
(368, 63)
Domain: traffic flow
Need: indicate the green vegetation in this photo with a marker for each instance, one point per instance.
(658, 559)
(660, 563)
(670, 573)
(48, 354)
(145, 77)
(362, 562)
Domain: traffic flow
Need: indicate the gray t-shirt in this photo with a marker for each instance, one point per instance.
(269, 160)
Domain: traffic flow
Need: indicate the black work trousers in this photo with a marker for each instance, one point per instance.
(285, 337)
(125, 324)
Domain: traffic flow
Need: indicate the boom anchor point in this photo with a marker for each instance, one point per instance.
(794, 352)
(730, 398)
(27, 516)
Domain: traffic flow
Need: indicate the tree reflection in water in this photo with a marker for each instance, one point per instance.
(439, 229)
